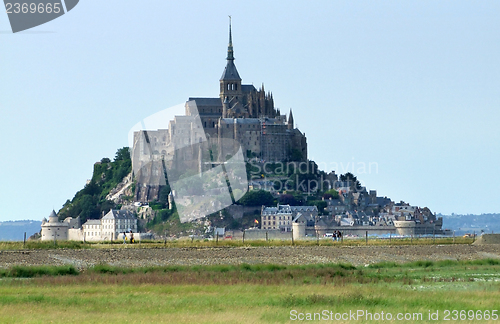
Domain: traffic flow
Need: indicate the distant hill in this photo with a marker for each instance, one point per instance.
(462, 224)
(14, 230)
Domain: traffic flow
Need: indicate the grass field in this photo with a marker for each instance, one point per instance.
(251, 293)
(231, 243)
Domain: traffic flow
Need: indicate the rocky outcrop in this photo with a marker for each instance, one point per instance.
(122, 190)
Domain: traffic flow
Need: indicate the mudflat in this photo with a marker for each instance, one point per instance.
(142, 256)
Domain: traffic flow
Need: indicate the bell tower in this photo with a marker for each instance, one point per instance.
(230, 81)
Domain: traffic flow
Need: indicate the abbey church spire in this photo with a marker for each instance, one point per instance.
(230, 52)
(230, 81)
(230, 72)
(290, 120)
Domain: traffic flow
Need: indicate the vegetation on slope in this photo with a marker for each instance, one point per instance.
(90, 202)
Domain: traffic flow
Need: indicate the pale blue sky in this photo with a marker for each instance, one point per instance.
(412, 86)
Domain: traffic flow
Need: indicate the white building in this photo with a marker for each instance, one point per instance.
(118, 221)
(110, 226)
(92, 230)
(281, 216)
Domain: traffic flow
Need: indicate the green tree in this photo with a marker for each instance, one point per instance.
(164, 192)
(320, 204)
(106, 206)
(122, 154)
(257, 198)
(332, 193)
(288, 199)
(89, 209)
(91, 202)
(351, 179)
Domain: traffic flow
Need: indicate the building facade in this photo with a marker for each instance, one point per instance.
(242, 114)
(282, 216)
(110, 226)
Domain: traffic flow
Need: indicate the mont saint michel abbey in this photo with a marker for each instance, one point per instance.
(241, 113)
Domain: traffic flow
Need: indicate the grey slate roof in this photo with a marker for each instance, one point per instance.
(321, 223)
(273, 121)
(383, 201)
(333, 202)
(121, 214)
(241, 120)
(230, 73)
(207, 101)
(281, 209)
(303, 208)
(247, 121)
(298, 217)
(93, 222)
(247, 88)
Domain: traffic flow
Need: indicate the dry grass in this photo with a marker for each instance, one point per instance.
(97, 302)
(232, 243)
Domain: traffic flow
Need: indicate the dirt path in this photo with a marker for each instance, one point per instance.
(357, 255)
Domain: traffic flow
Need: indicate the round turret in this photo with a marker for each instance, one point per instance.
(53, 217)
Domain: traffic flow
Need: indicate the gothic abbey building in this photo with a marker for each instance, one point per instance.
(241, 113)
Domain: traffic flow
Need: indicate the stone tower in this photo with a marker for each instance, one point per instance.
(230, 82)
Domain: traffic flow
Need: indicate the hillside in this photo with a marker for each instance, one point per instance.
(91, 202)
(294, 183)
